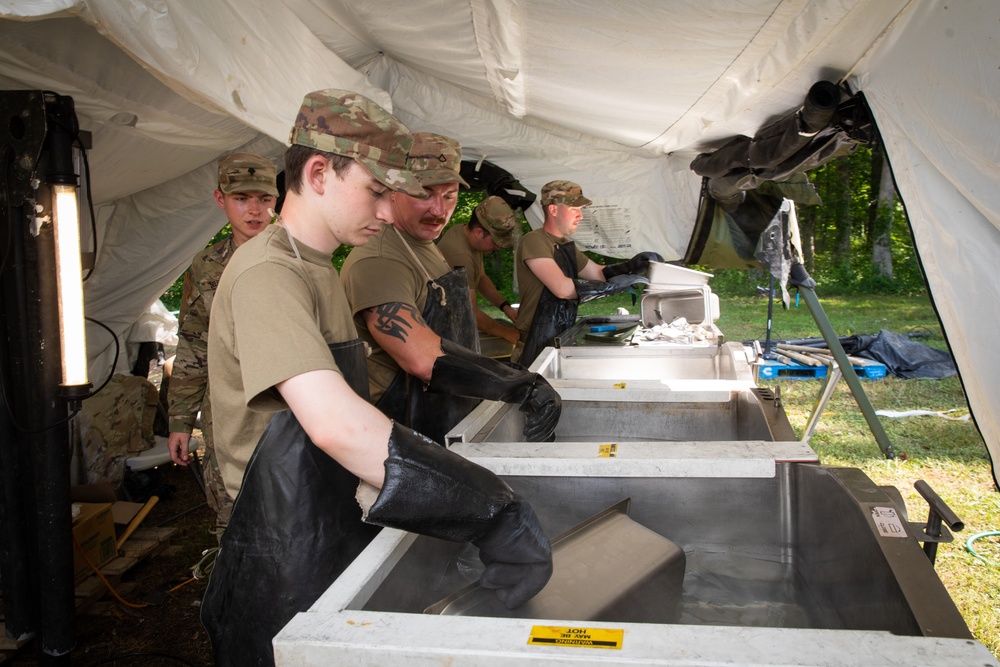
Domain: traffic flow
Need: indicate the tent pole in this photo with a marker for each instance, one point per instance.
(847, 370)
(770, 316)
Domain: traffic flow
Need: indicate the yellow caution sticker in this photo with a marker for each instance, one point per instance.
(608, 451)
(548, 635)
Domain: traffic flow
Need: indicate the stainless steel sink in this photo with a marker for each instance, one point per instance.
(592, 415)
(773, 565)
(641, 363)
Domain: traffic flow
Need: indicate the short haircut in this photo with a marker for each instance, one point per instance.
(295, 161)
(474, 222)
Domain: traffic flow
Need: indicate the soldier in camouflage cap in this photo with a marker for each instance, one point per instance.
(351, 125)
(563, 192)
(294, 431)
(495, 216)
(247, 172)
(247, 190)
(492, 225)
(554, 275)
(436, 159)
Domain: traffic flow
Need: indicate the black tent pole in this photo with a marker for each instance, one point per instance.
(770, 313)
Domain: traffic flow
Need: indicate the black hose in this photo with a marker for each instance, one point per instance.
(820, 105)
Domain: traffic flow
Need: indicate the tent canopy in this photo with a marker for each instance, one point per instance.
(619, 97)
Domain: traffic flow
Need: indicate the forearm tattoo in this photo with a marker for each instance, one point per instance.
(391, 321)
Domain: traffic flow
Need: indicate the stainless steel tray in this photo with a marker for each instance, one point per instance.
(607, 568)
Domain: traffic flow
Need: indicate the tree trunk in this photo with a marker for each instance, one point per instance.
(842, 211)
(807, 234)
(882, 227)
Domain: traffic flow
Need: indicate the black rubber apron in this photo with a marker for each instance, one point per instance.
(295, 527)
(448, 312)
(553, 315)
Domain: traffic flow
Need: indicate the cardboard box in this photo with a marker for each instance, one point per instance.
(94, 535)
(96, 512)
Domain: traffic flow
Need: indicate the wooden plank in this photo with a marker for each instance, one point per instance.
(802, 358)
(143, 543)
(119, 566)
(822, 351)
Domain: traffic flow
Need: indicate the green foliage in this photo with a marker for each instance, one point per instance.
(172, 297)
(736, 282)
(842, 263)
(848, 208)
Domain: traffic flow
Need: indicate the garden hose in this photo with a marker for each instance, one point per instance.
(973, 538)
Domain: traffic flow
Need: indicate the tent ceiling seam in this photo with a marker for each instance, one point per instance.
(738, 60)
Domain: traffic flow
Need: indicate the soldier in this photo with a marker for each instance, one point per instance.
(492, 225)
(554, 276)
(294, 429)
(413, 309)
(247, 189)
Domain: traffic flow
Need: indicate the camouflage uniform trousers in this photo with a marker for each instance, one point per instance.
(215, 489)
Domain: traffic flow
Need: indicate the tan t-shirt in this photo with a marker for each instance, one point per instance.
(457, 251)
(273, 316)
(536, 244)
(383, 271)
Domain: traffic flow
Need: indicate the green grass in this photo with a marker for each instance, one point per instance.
(949, 455)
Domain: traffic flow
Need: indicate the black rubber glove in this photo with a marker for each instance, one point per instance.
(638, 264)
(588, 290)
(463, 372)
(515, 568)
(430, 490)
(541, 409)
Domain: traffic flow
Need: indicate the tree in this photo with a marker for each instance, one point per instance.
(881, 221)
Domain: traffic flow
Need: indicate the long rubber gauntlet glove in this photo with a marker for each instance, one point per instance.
(463, 372)
(638, 264)
(433, 491)
(588, 290)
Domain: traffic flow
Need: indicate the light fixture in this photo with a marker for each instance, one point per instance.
(62, 178)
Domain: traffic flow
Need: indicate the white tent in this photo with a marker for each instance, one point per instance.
(616, 96)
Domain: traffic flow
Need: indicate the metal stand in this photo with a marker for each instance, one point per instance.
(829, 384)
(846, 369)
(770, 313)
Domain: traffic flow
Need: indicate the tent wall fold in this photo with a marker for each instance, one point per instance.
(944, 148)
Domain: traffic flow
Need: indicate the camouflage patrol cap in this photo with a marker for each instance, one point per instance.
(498, 219)
(435, 159)
(349, 124)
(247, 172)
(563, 192)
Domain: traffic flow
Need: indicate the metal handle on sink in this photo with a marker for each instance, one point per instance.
(939, 519)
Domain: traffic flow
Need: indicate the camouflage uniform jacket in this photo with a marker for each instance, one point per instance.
(189, 378)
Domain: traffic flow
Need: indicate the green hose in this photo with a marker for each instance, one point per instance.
(973, 538)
